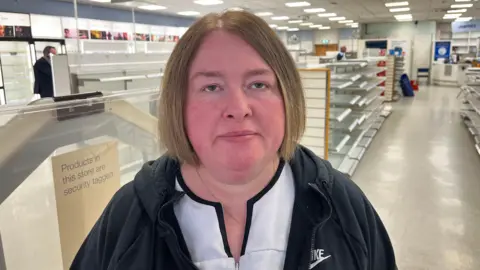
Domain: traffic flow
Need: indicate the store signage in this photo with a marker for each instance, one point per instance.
(442, 50)
(15, 25)
(470, 26)
(85, 181)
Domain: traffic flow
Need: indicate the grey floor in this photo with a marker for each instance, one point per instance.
(422, 174)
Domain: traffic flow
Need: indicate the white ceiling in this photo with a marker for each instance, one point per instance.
(363, 11)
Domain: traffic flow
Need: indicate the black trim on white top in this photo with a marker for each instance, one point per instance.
(219, 209)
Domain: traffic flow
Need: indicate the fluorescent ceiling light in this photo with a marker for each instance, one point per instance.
(457, 11)
(262, 14)
(295, 21)
(346, 21)
(354, 25)
(152, 7)
(403, 16)
(324, 27)
(273, 25)
(188, 13)
(208, 2)
(337, 19)
(452, 15)
(280, 18)
(307, 23)
(461, 6)
(400, 9)
(297, 4)
(314, 10)
(463, 0)
(282, 27)
(464, 19)
(292, 29)
(315, 26)
(327, 15)
(101, 1)
(405, 20)
(396, 4)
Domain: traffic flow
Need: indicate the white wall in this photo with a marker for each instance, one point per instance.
(398, 29)
(332, 35)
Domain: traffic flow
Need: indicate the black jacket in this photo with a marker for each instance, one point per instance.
(43, 78)
(331, 217)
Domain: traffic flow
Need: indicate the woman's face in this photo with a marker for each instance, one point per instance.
(234, 112)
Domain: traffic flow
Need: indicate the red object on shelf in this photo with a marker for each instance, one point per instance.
(414, 85)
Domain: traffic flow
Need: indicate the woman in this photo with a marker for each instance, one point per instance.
(234, 190)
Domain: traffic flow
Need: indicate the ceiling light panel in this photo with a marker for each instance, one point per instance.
(292, 29)
(295, 21)
(152, 7)
(314, 10)
(403, 9)
(297, 4)
(396, 4)
(452, 16)
(282, 27)
(457, 11)
(273, 25)
(405, 20)
(324, 27)
(403, 16)
(315, 26)
(464, 19)
(327, 15)
(208, 2)
(346, 21)
(101, 1)
(461, 6)
(307, 23)
(188, 13)
(463, 0)
(337, 19)
(263, 14)
(280, 18)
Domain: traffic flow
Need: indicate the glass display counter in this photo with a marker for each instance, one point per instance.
(60, 164)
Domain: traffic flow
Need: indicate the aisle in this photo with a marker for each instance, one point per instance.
(423, 176)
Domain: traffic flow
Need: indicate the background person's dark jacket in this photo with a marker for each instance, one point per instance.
(43, 78)
(138, 229)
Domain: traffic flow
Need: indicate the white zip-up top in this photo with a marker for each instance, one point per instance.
(267, 229)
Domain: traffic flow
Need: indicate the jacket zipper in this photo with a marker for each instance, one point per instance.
(169, 228)
(320, 225)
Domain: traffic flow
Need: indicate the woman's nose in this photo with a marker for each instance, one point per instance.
(237, 105)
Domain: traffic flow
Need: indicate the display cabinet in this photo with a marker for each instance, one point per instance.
(471, 105)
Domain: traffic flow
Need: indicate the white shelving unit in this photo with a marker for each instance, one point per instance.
(356, 112)
(316, 86)
(395, 69)
(466, 42)
(471, 105)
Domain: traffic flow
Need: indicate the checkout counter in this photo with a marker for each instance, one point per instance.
(449, 74)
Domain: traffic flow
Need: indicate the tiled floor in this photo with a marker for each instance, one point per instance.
(423, 176)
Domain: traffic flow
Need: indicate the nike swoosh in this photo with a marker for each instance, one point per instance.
(312, 265)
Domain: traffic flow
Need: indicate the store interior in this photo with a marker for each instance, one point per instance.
(399, 114)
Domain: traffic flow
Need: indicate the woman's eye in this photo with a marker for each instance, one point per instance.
(211, 88)
(258, 85)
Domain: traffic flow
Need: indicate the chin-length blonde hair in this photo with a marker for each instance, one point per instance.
(265, 41)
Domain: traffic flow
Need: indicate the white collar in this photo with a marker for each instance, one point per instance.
(269, 215)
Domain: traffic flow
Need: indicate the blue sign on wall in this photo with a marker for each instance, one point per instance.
(458, 27)
(442, 49)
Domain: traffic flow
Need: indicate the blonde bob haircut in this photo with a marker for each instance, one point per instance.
(265, 41)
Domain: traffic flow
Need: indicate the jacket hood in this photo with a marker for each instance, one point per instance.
(155, 183)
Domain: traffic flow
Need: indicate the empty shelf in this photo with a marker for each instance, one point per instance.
(338, 114)
(345, 99)
(337, 143)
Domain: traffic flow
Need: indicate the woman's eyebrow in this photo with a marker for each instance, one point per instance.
(258, 71)
(218, 74)
(208, 74)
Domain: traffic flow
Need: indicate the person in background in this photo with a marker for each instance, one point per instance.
(235, 190)
(341, 55)
(43, 73)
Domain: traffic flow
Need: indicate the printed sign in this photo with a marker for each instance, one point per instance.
(470, 26)
(85, 181)
(442, 49)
